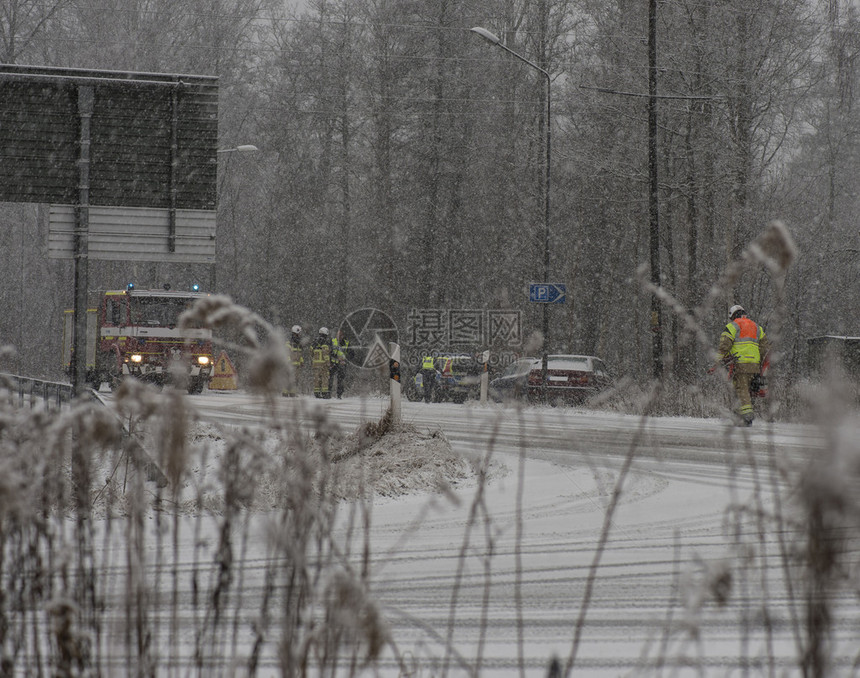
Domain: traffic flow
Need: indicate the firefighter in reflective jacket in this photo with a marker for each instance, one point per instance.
(321, 363)
(298, 360)
(339, 347)
(743, 345)
(428, 376)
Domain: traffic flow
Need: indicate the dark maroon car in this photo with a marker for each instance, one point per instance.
(570, 379)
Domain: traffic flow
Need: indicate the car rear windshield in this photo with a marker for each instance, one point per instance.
(572, 363)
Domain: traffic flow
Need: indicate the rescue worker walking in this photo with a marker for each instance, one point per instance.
(297, 357)
(428, 377)
(339, 347)
(742, 347)
(321, 363)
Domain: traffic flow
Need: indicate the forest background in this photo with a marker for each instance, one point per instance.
(401, 163)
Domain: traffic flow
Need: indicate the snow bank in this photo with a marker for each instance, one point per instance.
(266, 470)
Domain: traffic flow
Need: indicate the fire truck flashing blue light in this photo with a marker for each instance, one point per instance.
(195, 287)
(129, 287)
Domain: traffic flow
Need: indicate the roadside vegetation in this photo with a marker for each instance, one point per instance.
(125, 531)
(401, 164)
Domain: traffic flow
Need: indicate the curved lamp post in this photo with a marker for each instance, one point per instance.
(241, 148)
(494, 39)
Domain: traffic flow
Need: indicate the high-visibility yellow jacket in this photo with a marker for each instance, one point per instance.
(338, 350)
(322, 354)
(297, 353)
(427, 363)
(744, 341)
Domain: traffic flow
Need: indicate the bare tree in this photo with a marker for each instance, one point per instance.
(23, 24)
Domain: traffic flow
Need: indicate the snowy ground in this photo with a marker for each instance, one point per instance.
(501, 577)
(495, 540)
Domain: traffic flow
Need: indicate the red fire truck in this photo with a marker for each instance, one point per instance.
(135, 333)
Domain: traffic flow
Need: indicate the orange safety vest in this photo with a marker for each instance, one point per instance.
(446, 368)
(745, 336)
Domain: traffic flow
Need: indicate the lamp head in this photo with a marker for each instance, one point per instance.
(486, 35)
(241, 148)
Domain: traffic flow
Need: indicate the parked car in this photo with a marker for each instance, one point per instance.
(513, 382)
(571, 379)
(458, 378)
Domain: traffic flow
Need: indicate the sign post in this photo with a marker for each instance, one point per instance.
(546, 293)
(485, 376)
(394, 381)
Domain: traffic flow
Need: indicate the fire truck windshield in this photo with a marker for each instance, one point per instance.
(158, 311)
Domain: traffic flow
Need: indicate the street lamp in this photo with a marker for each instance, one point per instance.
(494, 39)
(242, 149)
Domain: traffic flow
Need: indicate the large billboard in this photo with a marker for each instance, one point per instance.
(149, 142)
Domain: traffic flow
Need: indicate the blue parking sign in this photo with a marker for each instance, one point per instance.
(547, 293)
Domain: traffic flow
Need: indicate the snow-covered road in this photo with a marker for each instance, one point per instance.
(691, 574)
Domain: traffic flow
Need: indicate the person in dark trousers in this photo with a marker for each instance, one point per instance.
(742, 347)
(428, 377)
(339, 348)
(321, 363)
(297, 357)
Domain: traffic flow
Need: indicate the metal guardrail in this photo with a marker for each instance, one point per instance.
(29, 392)
(55, 395)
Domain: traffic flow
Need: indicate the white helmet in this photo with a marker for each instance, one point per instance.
(736, 310)
(324, 331)
(297, 329)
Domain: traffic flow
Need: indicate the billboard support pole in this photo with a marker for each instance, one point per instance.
(82, 227)
(174, 161)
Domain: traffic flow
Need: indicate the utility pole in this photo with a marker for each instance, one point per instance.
(546, 128)
(653, 196)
